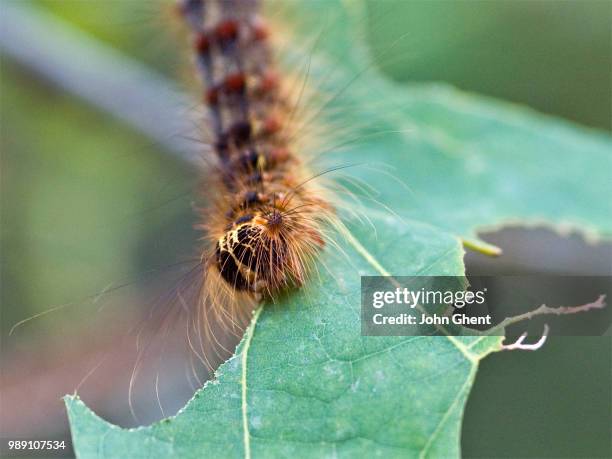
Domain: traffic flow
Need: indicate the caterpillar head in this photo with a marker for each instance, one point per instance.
(253, 254)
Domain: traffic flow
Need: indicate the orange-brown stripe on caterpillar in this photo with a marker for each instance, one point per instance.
(265, 225)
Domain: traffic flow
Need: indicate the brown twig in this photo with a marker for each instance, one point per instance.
(599, 303)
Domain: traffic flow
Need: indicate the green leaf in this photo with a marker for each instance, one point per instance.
(303, 381)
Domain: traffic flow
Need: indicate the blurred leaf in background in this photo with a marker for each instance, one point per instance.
(553, 56)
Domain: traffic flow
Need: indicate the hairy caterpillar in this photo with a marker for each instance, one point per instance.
(265, 226)
(208, 298)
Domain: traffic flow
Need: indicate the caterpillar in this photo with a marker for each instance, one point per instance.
(265, 215)
(265, 225)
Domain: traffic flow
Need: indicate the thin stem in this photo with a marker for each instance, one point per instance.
(100, 75)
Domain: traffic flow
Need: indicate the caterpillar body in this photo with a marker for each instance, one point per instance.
(265, 224)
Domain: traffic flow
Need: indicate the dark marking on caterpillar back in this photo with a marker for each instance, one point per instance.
(240, 133)
(244, 219)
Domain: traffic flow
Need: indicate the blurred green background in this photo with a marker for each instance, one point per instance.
(87, 203)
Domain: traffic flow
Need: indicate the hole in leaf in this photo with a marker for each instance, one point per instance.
(539, 266)
(540, 251)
